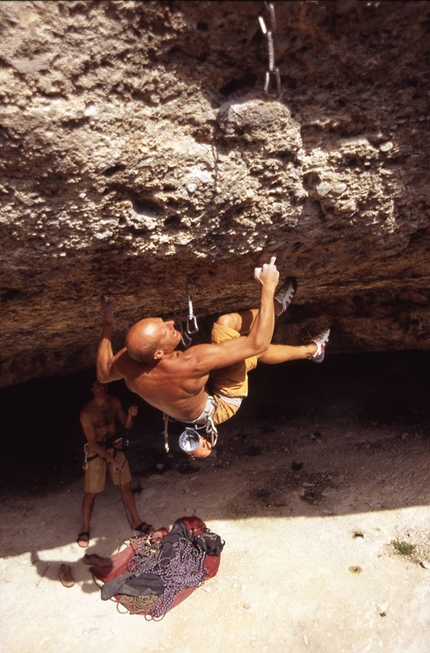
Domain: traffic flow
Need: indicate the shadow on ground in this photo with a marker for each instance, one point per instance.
(43, 439)
(305, 436)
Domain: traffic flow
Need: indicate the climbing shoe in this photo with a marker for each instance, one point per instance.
(285, 295)
(321, 341)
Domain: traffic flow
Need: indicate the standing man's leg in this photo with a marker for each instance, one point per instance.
(87, 511)
(130, 504)
(94, 483)
(123, 481)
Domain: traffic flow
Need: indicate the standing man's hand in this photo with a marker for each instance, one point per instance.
(106, 310)
(132, 412)
(268, 275)
(117, 469)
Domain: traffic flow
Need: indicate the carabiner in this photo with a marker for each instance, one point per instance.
(191, 324)
(270, 8)
(276, 75)
(177, 314)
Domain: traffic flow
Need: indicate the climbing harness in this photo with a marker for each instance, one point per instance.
(107, 443)
(272, 75)
(190, 440)
(189, 326)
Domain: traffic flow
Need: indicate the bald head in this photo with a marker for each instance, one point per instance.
(143, 339)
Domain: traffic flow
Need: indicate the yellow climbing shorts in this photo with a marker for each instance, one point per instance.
(229, 381)
(95, 472)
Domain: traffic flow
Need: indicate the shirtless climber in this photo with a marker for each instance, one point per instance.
(103, 452)
(205, 384)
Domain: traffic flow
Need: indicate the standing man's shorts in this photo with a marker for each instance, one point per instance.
(95, 473)
(232, 381)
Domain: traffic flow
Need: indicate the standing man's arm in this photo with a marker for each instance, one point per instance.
(105, 359)
(126, 419)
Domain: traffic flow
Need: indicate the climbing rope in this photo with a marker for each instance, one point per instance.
(166, 433)
(124, 448)
(188, 326)
(123, 504)
(184, 568)
(272, 74)
(136, 604)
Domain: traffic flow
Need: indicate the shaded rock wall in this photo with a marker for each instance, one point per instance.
(138, 146)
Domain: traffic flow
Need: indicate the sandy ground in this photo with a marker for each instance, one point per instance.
(309, 563)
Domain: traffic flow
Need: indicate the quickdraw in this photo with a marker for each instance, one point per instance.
(273, 72)
(192, 326)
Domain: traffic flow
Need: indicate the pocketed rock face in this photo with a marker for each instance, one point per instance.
(138, 146)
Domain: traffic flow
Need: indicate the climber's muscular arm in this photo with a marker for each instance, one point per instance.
(201, 359)
(107, 369)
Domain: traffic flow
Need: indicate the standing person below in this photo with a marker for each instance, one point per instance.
(207, 382)
(103, 452)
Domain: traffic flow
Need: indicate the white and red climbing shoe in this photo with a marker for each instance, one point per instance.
(321, 341)
(285, 295)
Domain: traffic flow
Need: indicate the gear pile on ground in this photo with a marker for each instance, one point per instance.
(155, 573)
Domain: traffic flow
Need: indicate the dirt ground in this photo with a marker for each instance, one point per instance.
(312, 486)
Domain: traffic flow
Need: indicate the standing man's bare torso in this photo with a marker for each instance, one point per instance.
(102, 418)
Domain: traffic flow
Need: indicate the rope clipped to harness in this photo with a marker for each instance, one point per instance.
(190, 440)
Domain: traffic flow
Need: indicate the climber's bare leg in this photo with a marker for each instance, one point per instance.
(283, 353)
(241, 321)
